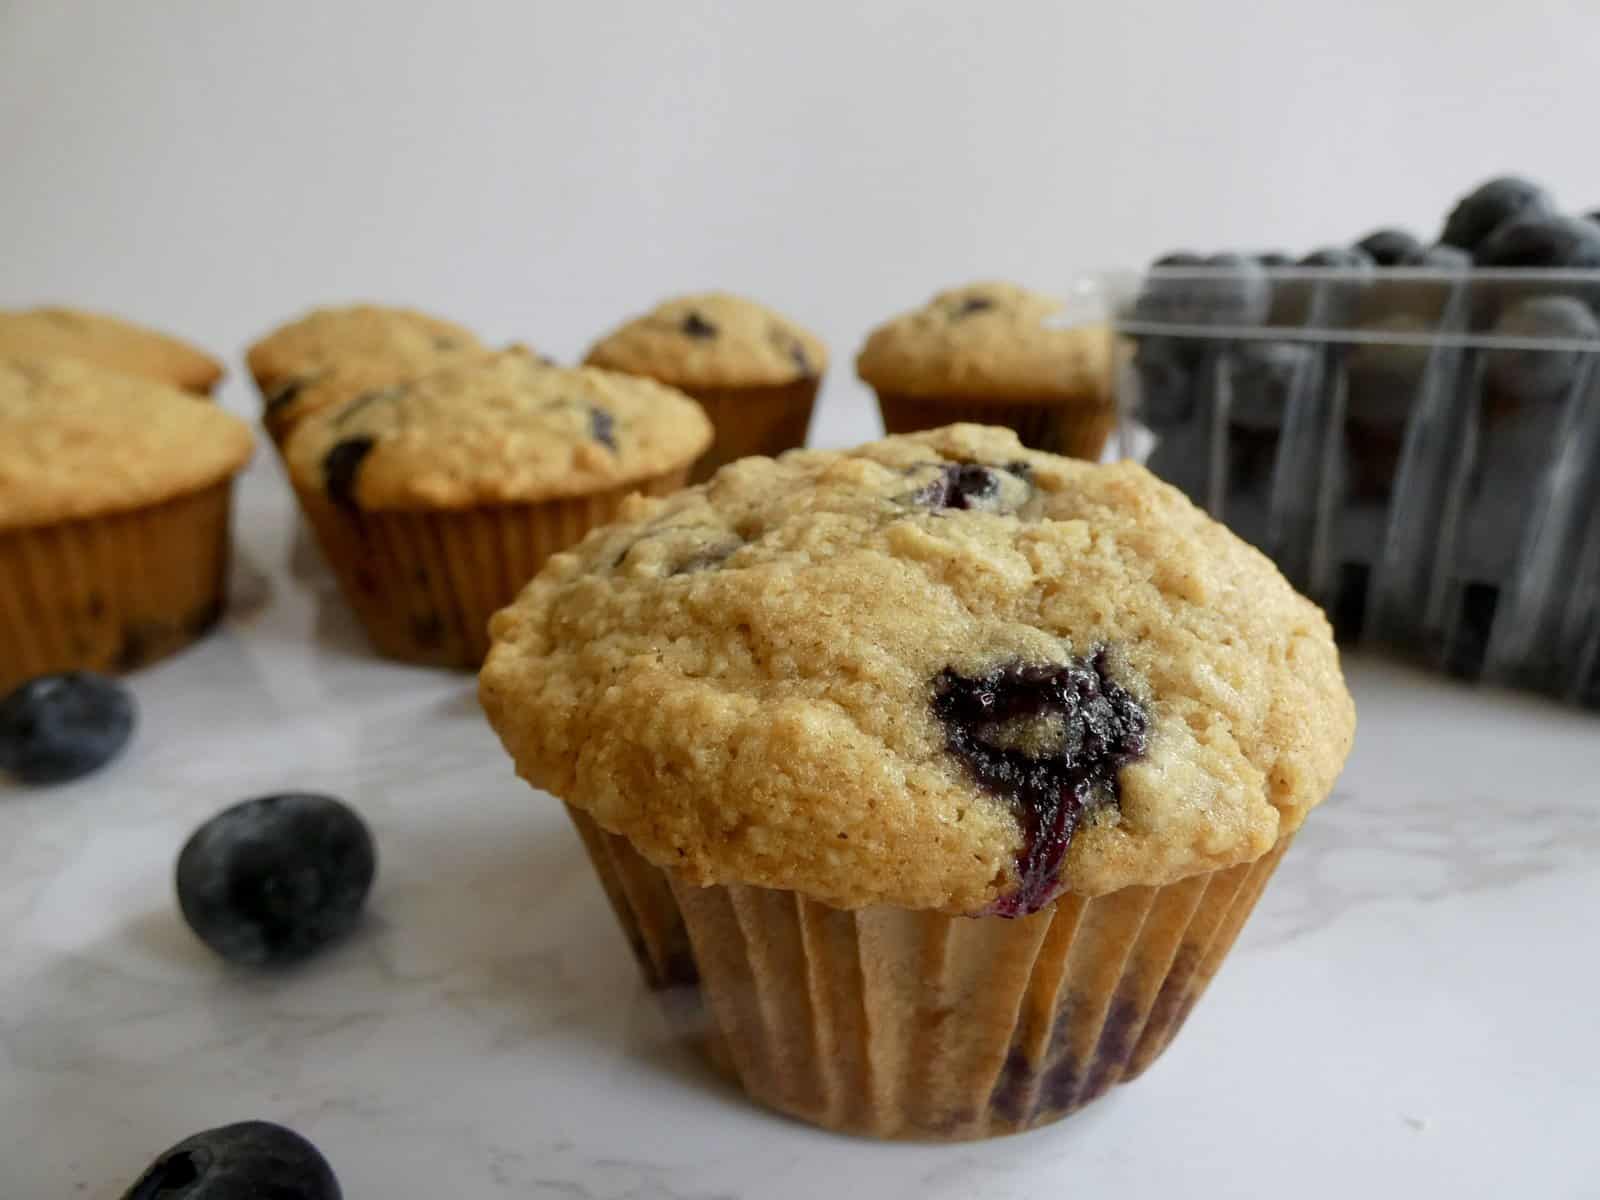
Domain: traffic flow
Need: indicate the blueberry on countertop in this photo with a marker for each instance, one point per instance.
(58, 727)
(251, 1160)
(1528, 375)
(271, 880)
(1484, 209)
(1389, 247)
(1542, 240)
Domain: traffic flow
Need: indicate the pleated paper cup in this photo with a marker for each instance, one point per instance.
(893, 1023)
(425, 583)
(1077, 426)
(753, 420)
(112, 592)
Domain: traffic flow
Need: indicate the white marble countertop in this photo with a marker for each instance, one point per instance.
(1411, 1011)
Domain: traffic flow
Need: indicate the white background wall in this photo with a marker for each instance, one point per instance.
(542, 169)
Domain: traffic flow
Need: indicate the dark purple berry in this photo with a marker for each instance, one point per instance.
(340, 466)
(1534, 375)
(1265, 375)
(1048, 738)
(59, 727)
(1344, 258)
(1484, 209)
(969, 486)
(252, 1160)
(696, 326)
(1389, 247)
(603, 427)
(270, 880)
(1542, 241)
(1439, 257)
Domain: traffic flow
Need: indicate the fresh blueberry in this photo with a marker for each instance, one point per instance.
(1532, 376)
(1384, 377)
(1389, 247)
(603, 427)
(1264, 376)
(1490, 205)
(270, 880)
(1345, 258)
(1543, 240)
(1225, 289)
(252, 1160)
(340, 466)
(1439, 257)
(696, 326)
(1050, 739)
(58, 727)
(1167, 369)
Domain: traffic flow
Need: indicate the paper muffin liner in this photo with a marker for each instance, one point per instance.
(1077, 426)
(113, 592)
(754, 420)
(424, 584)
(893, 1023)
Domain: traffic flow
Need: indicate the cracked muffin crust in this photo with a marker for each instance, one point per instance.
(108, 342)
(939, 672)
(412, 341)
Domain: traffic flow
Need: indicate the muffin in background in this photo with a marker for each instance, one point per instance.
(755, 372)
(948, 768)
(108, 342)
(299, 351)
(993, 353)
(114, 502)
(436, 500)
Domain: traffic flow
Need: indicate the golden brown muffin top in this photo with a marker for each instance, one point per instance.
(505, 428)
(108, 342)
(989, 339)
(414, 341)
(712, 339)
(83, 441)
(938, 671)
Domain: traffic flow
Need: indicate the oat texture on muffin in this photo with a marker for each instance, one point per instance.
(108, 342)
(713, 339)
(503, 428)
(939, 672)
(994, 339)
(298, 352)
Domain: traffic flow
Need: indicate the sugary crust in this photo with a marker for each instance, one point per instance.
(712, 340)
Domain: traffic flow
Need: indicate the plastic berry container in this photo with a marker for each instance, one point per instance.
(1417, 449)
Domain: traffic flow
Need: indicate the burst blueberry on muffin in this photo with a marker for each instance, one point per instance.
(436, 500)
(998, 354)
(114, 502)
(755, 372)
(950, 769)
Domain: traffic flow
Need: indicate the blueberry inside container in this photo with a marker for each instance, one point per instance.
(1418, 448)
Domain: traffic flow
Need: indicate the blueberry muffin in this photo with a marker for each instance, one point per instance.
(1001, 355)
(436, 500)
(950, 769)
(114, 498)
(108, 342)
(756, 373)
(382, 345)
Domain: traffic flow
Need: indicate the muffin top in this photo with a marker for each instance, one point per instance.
(297, 397)
(504, 428)
(988, 339)
(108, 342)
(713, 340)
(83, 441)
(938, 671)
(413, 340)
